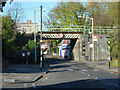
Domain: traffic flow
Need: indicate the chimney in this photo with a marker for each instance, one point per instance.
(28, 21)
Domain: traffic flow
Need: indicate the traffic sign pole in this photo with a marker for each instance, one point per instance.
(109, 52)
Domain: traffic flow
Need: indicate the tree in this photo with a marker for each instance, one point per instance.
(65, 15)
(7, 35)
(113, 13)
(16, 12)
(103, 13)
(99, 12)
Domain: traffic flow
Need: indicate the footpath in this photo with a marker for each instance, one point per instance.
(103, 65)
(23, 73)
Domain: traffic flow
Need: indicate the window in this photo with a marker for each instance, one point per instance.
(18, 27)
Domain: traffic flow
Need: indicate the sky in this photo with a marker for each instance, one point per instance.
(30, 5)
(29, 8)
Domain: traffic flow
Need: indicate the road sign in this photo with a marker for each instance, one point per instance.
(95, 38)
(43, 46)
(90, 45)
(60, 35)
(65, 46)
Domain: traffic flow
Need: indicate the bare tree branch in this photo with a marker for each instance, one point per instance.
(16, 12)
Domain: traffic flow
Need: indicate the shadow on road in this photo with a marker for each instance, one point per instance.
(32, 68)
(88, 83)
(80, 84)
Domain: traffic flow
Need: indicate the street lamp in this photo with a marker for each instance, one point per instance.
(92, 34)
(35, 33)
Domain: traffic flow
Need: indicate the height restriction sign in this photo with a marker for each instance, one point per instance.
(43, 46)
(94, 37)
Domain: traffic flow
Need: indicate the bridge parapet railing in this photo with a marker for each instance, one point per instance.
(84, 29)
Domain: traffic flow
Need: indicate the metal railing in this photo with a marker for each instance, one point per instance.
(84, 29)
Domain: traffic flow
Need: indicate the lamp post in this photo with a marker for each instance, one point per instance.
(41, 59)
(92, 34)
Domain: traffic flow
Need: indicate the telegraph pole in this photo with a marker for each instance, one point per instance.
(41, 59)
(35, 33)
(92, 39)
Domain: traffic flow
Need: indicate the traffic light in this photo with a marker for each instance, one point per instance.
(83, 48)
(109, 42)
(89, 36)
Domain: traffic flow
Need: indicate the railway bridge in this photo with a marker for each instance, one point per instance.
(80, 41)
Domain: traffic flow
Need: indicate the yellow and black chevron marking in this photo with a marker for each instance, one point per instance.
(65, 36)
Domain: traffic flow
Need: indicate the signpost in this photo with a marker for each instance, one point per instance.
(95, 38)
(109, 52)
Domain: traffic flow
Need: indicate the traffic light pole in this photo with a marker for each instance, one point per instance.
(109, 55)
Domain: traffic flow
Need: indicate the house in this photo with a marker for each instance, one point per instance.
(27, 27)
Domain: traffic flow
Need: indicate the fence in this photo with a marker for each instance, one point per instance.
(84, 29)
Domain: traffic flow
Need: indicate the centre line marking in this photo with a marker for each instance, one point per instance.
(84, 70)
(95, 70)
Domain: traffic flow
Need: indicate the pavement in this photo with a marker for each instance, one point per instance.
(23, 73)
(103, 65)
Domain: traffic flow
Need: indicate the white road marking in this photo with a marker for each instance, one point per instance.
(88, 75)
(75, 68)
(46, 78)
(95, 70)
(84, 70)
(25, 85)
(96, 77)
(70, 69)
(34, 85)
(84, 78)
(43, 80)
